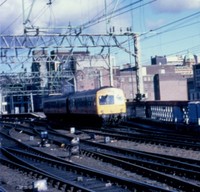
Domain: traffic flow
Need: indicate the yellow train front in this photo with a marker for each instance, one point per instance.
(106, 105)
(111, 105)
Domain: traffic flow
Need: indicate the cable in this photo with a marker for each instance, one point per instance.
(173, 28)
(176, 21)
(41, 12)
(102, 18)
(3, 2)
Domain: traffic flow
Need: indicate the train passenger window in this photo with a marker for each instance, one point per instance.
(106, 99)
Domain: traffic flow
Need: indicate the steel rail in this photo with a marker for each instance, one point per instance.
(37, 163)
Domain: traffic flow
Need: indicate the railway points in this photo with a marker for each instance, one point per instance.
(101, 158)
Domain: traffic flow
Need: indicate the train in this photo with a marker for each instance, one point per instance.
(102, 106)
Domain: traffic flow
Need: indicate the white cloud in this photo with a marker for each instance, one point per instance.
(174, 6)
(10, 16)
(59, 13)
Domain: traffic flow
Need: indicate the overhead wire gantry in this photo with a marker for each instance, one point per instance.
(18, 43)
(18, 49)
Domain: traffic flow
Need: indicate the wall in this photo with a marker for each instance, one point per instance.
(173, 87)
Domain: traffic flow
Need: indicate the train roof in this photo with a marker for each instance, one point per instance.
(79, 93)
(55, 97)
(88, 92)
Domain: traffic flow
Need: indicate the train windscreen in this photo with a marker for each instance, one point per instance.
(119, 99)
(106, 99)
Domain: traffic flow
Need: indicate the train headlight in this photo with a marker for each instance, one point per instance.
(103, 116)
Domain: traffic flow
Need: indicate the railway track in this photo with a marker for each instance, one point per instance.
(67, 175)
(183, 142)
(180, 174)
(2, 189)
(159, 131)
(138, 160)
(169, 171)
(10, 160)
(34, 162)
(155, 130)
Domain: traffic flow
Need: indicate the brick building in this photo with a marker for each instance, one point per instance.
(159, 79)
(161, 82)
(170, 87)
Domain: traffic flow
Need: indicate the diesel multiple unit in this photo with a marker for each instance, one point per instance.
(99, 106)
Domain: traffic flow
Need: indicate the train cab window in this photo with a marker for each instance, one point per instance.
(106, 99)
(119, 99)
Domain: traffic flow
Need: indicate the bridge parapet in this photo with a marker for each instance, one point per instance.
(169, 111)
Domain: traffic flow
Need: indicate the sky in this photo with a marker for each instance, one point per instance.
(165, 27)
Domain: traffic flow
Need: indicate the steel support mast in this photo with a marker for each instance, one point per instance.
(139, 77)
